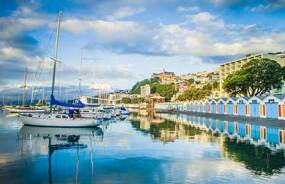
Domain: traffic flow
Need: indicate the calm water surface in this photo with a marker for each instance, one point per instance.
(165, 149)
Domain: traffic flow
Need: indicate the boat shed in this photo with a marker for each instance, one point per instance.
(241, 106)
(195, 106)
(213, 106)
(255, 106)
(201, 106)
(207, 106)
(230, 102)
(221, 106)
(190, 106)
(272, 106)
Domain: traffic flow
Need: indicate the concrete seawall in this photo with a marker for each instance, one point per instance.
(225, 117)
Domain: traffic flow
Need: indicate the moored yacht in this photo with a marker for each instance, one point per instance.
(58, 120)
(53, 119)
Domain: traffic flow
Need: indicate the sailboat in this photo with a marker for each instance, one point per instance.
(24, 108)
(52, 119)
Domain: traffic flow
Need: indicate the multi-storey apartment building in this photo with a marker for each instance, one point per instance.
(233, 66)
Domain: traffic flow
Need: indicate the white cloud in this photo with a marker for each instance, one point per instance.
(101, 86)
(188, 9)
(108, 30)
(226, 2)
(13, 26)
(10, 54)
(207, 20)
(269, 6)
(176, 39)
(126, 11)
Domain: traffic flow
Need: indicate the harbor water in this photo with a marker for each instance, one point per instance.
(164, 148)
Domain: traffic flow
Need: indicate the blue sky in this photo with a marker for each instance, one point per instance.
(128, 40)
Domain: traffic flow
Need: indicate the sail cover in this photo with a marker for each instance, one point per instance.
(53, 101)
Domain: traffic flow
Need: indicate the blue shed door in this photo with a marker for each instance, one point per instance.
(214, 124)
(222, 126)
(207, 107)
(190, 107)
(201, 107)
(271, 110)
(241, 109)
(272, 135)
(196, 107)
(221, 108)
(230, 109)
(254, 110)
(241, 129)
(213, 108)
(207, 121)
(231, 127)
(255, 132)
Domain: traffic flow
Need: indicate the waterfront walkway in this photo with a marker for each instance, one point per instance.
(253, 120)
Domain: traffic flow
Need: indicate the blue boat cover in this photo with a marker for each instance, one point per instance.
(53, 101)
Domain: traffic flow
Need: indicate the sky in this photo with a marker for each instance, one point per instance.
(124, 41)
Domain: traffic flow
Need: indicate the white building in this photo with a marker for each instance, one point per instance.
(233, 66)
(145, 90)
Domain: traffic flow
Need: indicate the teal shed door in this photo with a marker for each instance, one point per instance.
(230, 109)
(271, 110)
(213, 108)
(254, 110)
(272, 135)
(241, 109)
(255, 132)
(201, 107)
(221, 108)
(207, 107)
(231, 127)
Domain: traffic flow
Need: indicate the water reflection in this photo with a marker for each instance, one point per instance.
(147, 149)
(51, 140)
(259, 159)
(259, 148)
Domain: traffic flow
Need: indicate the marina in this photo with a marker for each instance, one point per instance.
(142, 92)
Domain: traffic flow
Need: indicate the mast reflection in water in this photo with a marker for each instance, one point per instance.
(58, 139)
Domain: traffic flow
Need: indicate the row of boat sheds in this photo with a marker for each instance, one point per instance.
(272, 137)
(272, 106)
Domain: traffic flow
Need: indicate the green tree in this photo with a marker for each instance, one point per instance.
(165, 90)
(215, 85)
(137, 100)
(194, 94)
(136, 89)
(126, 100)
(256, 77)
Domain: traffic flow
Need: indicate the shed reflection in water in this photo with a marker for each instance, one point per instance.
(259, 148)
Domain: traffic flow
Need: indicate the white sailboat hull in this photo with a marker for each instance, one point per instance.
(50, 122)
(26, 111)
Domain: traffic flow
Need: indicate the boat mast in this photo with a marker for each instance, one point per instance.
(55, 54)
(24, 87)
(33, 88)
(43, 95)
(80, 71)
